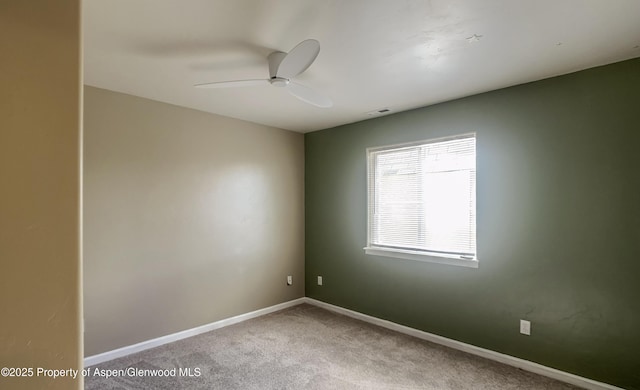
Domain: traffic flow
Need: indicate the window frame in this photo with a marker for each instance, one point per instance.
(408, 254)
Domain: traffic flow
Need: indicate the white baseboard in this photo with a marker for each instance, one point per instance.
(472, 349)
(128, 350)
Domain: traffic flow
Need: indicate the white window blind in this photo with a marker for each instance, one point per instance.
(422, 197)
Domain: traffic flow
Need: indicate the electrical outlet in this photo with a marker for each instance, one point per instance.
(319, 280)
(289, 280)
(525, 327)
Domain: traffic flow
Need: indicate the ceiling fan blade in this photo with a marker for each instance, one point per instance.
(298, 59)
(308, 95)
(234, 83)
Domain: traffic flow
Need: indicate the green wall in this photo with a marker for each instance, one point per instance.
(558, 208)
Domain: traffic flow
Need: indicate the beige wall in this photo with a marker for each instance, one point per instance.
(189, 218)
(40, 190)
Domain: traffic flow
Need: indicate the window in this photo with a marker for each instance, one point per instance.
(422, 201)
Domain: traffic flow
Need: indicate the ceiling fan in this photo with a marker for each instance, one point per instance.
(282, 68)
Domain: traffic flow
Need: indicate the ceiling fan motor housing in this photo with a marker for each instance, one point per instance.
(279, 82)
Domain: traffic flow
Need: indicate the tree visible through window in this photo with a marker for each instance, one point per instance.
(422, 198)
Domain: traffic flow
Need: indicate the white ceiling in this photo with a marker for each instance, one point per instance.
(374, 53)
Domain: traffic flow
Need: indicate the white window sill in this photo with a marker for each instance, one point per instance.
(422, 256)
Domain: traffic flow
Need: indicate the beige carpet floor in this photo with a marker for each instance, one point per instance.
(306, 347)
